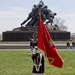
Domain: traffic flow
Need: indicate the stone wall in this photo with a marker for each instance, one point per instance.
(26, 35)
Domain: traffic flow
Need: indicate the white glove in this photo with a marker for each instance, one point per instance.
(39, 65)
(35, 65)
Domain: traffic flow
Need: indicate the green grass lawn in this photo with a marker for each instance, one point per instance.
(19, 62)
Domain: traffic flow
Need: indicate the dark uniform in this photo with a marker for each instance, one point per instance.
(73, 45)
(33, 44)
(68, 45)
(38, 60)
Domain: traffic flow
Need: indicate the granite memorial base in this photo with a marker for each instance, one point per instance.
(27, 35)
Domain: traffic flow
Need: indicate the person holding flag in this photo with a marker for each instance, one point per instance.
(38, 63)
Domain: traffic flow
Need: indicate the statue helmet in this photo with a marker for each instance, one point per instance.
(55, 13)
(34, 5)
(45, 6)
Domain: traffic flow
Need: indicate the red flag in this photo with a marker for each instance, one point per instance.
(45, 43)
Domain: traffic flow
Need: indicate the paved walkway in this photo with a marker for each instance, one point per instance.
(26, 46)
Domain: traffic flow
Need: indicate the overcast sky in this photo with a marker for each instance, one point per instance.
(14, 12)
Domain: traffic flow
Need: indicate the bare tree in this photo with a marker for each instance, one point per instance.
(60, 23)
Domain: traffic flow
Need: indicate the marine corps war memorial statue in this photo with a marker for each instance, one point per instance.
(28, 28)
